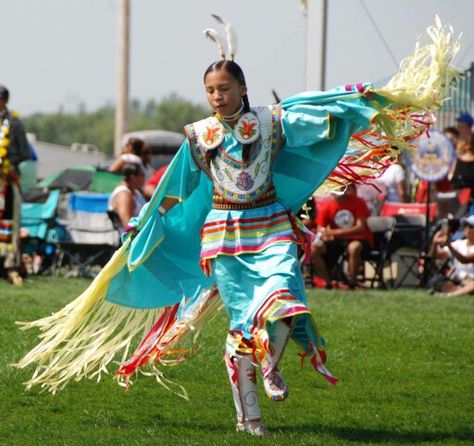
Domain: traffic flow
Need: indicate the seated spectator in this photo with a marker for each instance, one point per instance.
(394, 179)
(152, 182)
(461, 251)
(135, 151)
(126, 199)
(341, 226)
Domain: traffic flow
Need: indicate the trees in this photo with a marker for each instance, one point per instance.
(96, 127)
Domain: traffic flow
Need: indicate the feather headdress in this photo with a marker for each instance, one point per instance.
(213, 35)
(219, 40)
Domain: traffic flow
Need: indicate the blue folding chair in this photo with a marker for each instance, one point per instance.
(92, 237)
(42, 229)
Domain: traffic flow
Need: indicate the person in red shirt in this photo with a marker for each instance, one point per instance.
(342, 226)
(151, 184)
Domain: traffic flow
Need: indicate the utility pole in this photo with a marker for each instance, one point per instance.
(316, 28)
(123, 63)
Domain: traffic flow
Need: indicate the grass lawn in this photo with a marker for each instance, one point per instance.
(405, 362)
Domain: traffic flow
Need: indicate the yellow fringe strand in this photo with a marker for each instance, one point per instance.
(421, 86)
(404, 110)
(426, 77)
(82, 339)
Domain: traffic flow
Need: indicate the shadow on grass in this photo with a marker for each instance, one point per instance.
(378, 435)
(344, 433)
(200, 426)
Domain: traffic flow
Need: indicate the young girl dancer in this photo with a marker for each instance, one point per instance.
(221, 222)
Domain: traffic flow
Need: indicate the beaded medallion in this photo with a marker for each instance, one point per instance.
(247, 129)
(211, 133)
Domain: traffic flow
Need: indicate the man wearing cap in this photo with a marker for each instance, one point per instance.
(461, 252)
(464, 125)
(13, 149)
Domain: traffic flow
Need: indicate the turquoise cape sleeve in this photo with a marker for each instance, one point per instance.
(317, 127)
(163, 258)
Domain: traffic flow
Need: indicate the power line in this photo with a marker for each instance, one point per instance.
(387, 47)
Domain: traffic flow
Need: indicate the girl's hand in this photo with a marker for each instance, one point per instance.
(369, 94)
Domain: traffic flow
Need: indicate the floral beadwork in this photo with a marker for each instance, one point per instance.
(244, 181)
(235, 180)
(247, 129)
(212, 135)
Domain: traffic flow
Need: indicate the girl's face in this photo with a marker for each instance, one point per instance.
(224, 93)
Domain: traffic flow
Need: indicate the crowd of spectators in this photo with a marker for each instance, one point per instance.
(342, 237)
(342, 234)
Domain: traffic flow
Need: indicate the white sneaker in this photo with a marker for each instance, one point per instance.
(255, 428)
(275, 386)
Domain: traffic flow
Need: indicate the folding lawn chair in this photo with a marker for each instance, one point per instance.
(380, 255)
(92, 237)
(410, 237)
(38, 220)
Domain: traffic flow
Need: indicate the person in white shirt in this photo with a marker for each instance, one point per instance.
(126, 199)
(461, 252)
(394, 179)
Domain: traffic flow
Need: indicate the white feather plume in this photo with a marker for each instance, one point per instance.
(213, 35)
(231, 35)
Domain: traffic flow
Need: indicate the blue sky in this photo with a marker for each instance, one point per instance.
(63, 52)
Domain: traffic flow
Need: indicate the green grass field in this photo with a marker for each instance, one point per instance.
(404, 359)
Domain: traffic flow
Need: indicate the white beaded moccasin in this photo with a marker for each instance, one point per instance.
(255, 428)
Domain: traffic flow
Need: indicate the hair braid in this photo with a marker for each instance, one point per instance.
(246, 147)
(210, 155)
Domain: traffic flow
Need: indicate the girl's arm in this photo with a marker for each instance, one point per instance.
(167, 204)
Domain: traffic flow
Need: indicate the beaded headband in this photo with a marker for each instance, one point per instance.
(230, 42)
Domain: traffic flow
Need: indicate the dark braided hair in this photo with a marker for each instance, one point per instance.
(236, 72)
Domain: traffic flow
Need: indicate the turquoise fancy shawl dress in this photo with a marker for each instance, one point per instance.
(162, 283)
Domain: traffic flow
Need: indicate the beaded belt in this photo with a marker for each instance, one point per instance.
(219, 202)
(240, 206)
